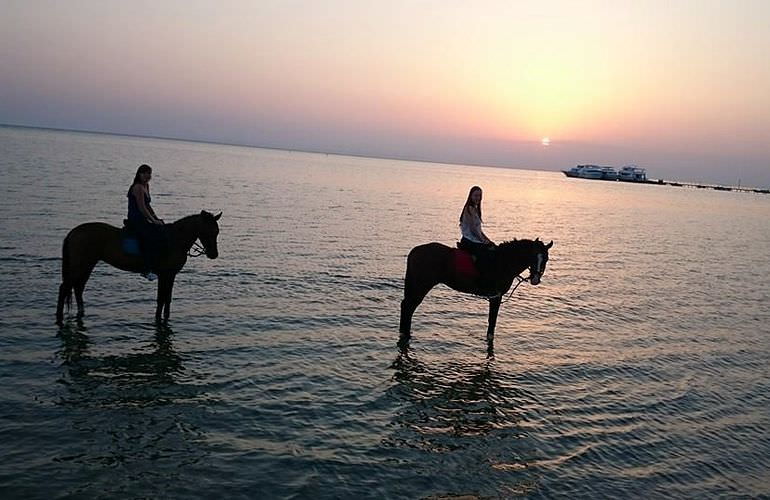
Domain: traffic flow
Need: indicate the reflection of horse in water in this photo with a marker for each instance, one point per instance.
(470, 397)
(467, 421)
(434, 263)
(156, 366)
(143, 411)
(92, 242)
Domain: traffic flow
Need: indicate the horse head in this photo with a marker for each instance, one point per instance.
(207, 233)
(538, 261)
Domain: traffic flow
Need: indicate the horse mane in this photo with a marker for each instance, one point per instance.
(187, 217)
(202, 213)
(518, 249)
(515, 245)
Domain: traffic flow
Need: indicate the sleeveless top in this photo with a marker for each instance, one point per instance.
(467, 223)
(134, 214)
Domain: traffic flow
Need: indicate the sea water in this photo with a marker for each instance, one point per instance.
(637, 368)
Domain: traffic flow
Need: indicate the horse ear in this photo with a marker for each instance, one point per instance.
(217, 216)
(549, 245)
(537, 239)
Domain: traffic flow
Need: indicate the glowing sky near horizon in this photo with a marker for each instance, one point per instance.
(682, 87)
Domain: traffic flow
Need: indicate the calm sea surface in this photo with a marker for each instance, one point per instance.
(640, 367)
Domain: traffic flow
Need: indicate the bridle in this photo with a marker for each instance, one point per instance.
(536, 269)
(197, 250)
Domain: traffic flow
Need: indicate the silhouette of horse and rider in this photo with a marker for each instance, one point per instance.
(433, 263)
(477, 266)
(162, 253)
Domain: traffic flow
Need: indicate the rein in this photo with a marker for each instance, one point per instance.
(521, 280)
(197, 250)
(490, 297)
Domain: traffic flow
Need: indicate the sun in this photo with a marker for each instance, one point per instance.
(545, 141)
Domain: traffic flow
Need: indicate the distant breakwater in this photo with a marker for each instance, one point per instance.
(695, 185)
(716, 187)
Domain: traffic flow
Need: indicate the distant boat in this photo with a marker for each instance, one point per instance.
(592, 172)
(632, 173)
(574, 171)
(609, 174)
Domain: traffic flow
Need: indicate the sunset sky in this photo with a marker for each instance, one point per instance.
(680, 87)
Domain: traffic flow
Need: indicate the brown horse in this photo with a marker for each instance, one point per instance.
(434, 263)
(89, 243)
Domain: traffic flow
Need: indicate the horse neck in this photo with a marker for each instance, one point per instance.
(186, 231)
(515, 256)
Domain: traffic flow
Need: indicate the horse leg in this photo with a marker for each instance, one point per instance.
(494, 307)
(80, 285)
(167, 301)
(64, 294)
(412, 299)
(65, 288)
(162, 293)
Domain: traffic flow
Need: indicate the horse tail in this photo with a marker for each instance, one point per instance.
(66, 273)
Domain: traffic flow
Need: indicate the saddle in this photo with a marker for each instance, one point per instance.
(155, 243)
(464, 264)
(129, 241)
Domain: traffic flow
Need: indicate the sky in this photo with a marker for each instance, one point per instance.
(680, 87)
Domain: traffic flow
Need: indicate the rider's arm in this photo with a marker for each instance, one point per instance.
(157, 219)
(484, 238)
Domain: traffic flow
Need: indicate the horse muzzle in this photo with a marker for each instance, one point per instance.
(211, 251)
(534, 279)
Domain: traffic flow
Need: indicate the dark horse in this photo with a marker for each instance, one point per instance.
(89, 243)
(434, 263)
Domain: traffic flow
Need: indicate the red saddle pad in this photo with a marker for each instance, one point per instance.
(462, 261)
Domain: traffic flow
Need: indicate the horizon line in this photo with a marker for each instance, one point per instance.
(312, 151)
(274, 148)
